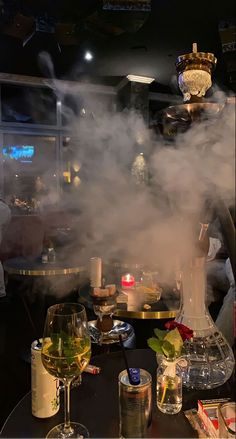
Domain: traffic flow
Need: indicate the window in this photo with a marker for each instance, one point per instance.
(34, 105)
(30, 168)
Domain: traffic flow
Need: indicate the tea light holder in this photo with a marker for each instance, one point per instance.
(127, 281)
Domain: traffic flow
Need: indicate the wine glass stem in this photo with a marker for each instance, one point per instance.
(67, 405)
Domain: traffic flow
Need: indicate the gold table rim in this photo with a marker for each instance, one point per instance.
(44, 272)
(168, 314)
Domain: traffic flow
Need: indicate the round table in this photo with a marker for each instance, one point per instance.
(27, 267)
(40, 285)
(151, 297)
(165, 308)
(95, 403)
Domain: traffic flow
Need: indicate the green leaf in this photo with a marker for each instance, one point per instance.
(168, 349)
(67, 345)
(175, 339)
(155, 344)
(159, 333)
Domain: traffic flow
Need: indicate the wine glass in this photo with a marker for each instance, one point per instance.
(66, 351)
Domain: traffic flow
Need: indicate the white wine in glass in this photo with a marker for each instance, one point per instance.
(66, 352)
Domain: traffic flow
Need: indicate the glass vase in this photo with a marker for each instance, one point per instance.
(169, 386)
(210, 359)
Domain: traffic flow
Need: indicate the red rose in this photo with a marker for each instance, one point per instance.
(184, 331)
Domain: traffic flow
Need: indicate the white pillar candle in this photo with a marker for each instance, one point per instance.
(96, 272)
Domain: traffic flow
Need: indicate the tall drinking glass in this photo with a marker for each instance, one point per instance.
(66, 352)
(226, 417)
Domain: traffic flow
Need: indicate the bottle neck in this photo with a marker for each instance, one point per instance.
(194, 286)
(168, 360)
(193, 311)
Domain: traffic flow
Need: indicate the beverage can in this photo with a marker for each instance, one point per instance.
(135, 404)
(45, 400)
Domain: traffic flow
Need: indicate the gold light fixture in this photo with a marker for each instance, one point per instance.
(142, 79)
(194, 79)
(194, 73)
(127, 5)
(76, 181)
(139, 169)
(76, 167)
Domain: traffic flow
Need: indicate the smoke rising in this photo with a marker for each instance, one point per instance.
(46, 64)
(154, 222)
(151, 220)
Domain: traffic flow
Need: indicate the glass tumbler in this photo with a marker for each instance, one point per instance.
(135, 405)
(227, 417)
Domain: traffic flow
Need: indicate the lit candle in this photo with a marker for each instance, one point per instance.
(127, 280)
(194, 48)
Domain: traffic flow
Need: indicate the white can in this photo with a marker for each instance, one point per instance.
(45, 400)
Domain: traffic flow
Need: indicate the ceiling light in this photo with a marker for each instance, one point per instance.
(88, 56)
(127, 5)
(143, 79)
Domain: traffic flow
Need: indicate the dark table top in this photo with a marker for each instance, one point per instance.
(95, 403)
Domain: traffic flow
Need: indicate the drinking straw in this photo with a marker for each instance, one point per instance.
(125, 359)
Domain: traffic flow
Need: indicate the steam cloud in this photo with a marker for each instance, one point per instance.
(150, 223)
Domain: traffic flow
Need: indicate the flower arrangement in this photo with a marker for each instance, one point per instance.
(170, 342)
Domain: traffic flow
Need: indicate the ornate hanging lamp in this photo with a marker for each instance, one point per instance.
(194, 71)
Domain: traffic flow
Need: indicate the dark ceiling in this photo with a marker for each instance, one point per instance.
(123, 42)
